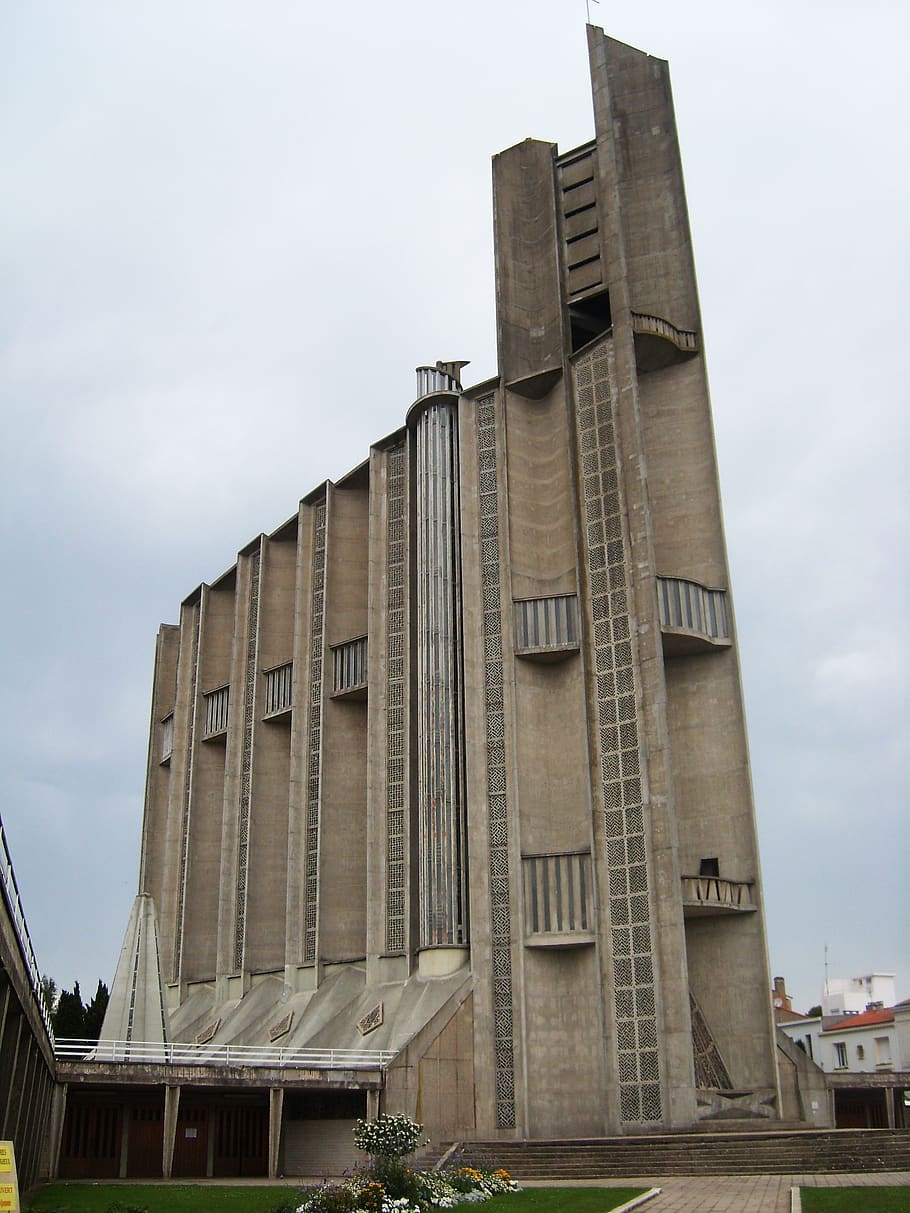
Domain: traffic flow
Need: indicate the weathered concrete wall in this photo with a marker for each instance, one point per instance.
(445, 1092)
(265, 933)
(551, 781)
(527, 268)
(27, 1073)
(199, 927)
(158, 776)
(564, 1035)
(542, 548)
(804, 1095)
(300, 759)
(649, 185)
(343, 829)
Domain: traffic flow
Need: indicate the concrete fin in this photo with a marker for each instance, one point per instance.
(136, 1010)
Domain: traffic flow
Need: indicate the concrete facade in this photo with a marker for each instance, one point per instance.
(453, 763)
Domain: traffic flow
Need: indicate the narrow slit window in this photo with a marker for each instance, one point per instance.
(167, 737)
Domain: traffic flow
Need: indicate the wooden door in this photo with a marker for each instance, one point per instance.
(145, 1145)
(90, 1148)
(191, 1146)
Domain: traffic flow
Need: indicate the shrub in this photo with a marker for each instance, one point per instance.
(370, 1197)
(389, 1136)
(399, 1182)
(470, 1180)
(328, 1198)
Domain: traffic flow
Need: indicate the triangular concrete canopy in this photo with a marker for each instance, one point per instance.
(136, 1010)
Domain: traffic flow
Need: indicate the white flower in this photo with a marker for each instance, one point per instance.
(389, 1136)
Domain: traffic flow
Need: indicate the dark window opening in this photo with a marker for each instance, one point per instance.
(709, 867)
(590, 318)
(326, 1105)
(576, 185)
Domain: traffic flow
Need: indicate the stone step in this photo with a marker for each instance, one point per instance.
(800, 1151)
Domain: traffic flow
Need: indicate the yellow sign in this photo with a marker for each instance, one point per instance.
(9, 1189)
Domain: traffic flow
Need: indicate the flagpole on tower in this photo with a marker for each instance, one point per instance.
(588, 8)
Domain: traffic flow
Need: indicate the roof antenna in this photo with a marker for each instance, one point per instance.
(588, 8)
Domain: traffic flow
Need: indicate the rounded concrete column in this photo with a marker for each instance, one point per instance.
(440, 690)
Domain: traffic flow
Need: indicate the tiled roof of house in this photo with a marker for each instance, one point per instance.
(783, 1016)
(866, 1019)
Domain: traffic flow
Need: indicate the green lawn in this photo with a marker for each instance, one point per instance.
(855, 1200)
(189, 1198)
(159, 1198)
(559, 1200)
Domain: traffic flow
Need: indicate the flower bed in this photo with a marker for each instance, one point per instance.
(388, 1185)
(410, 1191)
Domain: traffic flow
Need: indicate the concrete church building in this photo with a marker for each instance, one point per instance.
(452, 765)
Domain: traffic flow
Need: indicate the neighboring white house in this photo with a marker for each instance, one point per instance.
(853, 995)
(805, 1031)
(866, 1060)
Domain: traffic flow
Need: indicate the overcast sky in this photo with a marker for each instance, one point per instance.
(230, 231)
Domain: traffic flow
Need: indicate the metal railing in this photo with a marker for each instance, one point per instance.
(178, 1053)
(17, 916)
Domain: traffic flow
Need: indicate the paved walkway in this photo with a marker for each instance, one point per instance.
(737, 1193)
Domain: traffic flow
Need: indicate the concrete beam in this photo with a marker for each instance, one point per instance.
(171, 1108)
(276, 1110)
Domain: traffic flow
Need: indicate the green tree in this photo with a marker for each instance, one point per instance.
(68, 1020)
(94, 1013)
(49, 993)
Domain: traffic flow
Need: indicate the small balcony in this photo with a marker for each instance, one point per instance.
(216, 714)
(279, 692)
(349, 669)
(706, 896)
(558, 900)
(693, 618)
(659, 344)
(546, 629)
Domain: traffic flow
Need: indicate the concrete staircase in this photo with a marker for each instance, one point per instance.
(769, 1153)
